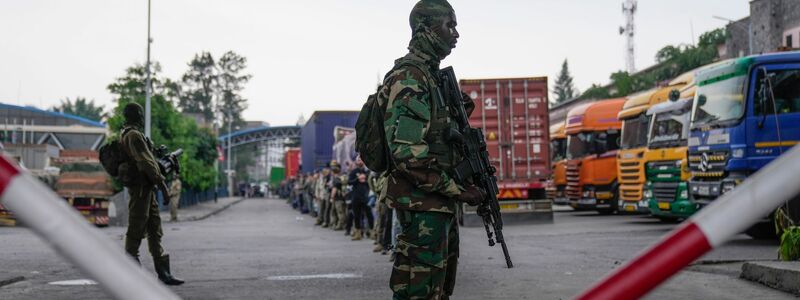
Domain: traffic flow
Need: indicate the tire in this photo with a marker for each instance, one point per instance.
(614, 203)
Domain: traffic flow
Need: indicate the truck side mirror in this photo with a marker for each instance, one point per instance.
(701, 100)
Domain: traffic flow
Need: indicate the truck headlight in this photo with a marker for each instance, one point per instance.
(648, 194)
(728, 186)
(588, 192)
(678, 163)
(684, 194)
(738, 153)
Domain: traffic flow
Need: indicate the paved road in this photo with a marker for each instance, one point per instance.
(261, 249)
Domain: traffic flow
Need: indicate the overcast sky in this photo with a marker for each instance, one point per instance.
(308, 55)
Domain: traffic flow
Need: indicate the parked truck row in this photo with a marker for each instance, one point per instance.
(677, 148)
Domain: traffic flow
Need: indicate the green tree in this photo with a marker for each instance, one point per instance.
(230, 83)
(595, 91)
(82, 108)
(198, 84)
(564, 88)
(168, 126)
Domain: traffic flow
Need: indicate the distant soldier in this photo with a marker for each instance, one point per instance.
(376, 184)
(420, 187)
(322, 195)
(144, 176)
(175, 198)
(339, 211)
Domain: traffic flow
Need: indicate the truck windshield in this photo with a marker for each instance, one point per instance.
(634, 132)
(559, 149)
(589, 143)
(719, 101)
(670, 129)
(578, 145)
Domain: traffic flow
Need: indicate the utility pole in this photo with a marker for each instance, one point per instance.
(229, 157)
(147, 88)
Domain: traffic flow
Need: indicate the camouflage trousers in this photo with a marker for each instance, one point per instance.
(426, 256)
(324, 212)
(339, 214)
(144, 220)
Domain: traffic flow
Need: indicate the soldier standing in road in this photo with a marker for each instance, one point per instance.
(322, 195)
(144, 175)
(339, 211)
(420, 186)
(175, 198)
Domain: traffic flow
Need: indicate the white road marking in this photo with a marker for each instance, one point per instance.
(74, 282)
(317, 276)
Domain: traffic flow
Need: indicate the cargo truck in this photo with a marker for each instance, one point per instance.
(318, 137)
(86, 186)
(667, 167)
(593, 133)
(746, 113)
(557, 183)
(513, 114)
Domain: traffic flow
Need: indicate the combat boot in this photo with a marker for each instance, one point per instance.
(377, 248)
(357, 235)
(162, 269)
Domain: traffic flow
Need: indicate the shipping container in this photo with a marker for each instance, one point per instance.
(513, 114)
(318, 137)
(291, 161)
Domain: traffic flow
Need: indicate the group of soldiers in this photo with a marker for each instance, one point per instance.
(345, 201)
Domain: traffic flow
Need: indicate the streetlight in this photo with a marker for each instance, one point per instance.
(147, 87)
(749, 31)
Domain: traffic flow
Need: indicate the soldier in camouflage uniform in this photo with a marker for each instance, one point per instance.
(175, 198)
(324, 200)
(143, 175)
(339, 210)
(419, 186)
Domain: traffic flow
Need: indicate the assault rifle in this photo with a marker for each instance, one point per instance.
(476, 167)
(168, 162)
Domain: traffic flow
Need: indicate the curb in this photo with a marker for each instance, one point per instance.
(783, 276)
(12, 280)
(214, 212)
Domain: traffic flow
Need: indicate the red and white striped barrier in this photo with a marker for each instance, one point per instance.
(711, 227)
(62, 227)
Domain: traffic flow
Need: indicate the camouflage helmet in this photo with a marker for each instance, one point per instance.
(133, 113)
(427, 12)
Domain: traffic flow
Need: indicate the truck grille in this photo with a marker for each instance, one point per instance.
(709, 165)
(573, 181)
(665, 191)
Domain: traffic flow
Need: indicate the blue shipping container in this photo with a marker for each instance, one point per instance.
(317, 137)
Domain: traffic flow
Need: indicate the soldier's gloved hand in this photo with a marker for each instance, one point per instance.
(472, 196)
(164, 192)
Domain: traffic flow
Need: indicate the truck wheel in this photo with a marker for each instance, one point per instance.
(762, 231)
(614, 204)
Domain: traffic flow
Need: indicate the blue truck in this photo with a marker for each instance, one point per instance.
(745, 114)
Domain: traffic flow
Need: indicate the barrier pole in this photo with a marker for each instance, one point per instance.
(711, 227)
(58, 224)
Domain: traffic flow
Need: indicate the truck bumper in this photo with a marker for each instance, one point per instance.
(680, 209)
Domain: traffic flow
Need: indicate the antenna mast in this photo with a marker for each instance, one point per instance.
(629, 8)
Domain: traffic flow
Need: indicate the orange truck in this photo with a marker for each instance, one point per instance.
(633, 145)
(593, 133)
(85, 185)
(557, 183)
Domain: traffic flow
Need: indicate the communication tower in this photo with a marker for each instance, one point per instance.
(629, 10)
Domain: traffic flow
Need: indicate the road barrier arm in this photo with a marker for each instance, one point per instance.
(58, 224)
(713, 226)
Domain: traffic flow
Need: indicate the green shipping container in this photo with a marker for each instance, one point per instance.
(277, 175)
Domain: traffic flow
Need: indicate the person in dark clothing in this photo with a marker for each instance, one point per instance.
(359, 198)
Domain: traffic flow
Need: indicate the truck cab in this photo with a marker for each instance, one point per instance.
(593, 133)
(667, 169)
(746, 113)
(557, 183)
(635, 128)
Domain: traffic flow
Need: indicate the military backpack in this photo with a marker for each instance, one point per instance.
(371, 142)
(112, 156)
